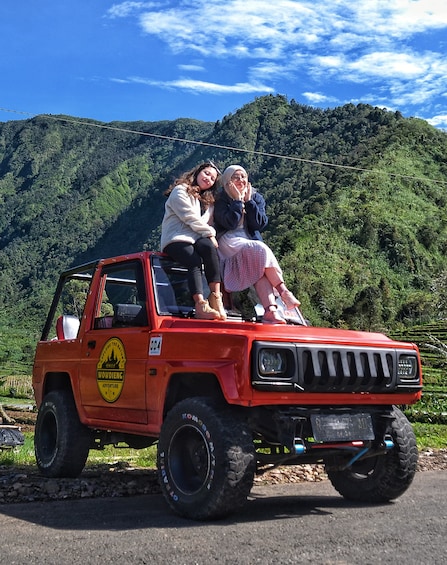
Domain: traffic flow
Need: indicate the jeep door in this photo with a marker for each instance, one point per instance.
(114, 351)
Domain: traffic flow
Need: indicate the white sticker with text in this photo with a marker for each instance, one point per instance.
(155, 345)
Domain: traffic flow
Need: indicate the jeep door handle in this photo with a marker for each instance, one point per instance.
(91, 344)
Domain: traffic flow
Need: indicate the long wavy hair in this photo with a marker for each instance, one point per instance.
(189, 179)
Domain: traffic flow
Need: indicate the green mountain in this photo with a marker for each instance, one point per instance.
(356, 198)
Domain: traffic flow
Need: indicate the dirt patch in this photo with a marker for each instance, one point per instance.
(23, 417)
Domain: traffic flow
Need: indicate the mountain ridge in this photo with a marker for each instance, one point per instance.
(356, 198)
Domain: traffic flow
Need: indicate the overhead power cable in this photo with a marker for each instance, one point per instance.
(226, 147)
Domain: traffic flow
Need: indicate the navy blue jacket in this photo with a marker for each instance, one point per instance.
(228, 212)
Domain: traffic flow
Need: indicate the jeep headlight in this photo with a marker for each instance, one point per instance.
(407, 367)
(272, 362)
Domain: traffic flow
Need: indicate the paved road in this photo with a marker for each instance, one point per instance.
(282, 524)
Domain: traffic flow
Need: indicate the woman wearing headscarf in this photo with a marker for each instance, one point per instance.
(239, 217)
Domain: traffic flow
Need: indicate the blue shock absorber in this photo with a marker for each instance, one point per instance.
(300, 448)
(357, 456)
(389, 443)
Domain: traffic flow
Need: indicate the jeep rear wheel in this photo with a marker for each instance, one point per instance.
(61, 442)
(383, 477)
(206, 459)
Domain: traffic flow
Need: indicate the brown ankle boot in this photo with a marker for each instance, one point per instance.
(205, 312)
(215, 301)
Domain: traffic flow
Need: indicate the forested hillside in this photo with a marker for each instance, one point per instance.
(356, 197)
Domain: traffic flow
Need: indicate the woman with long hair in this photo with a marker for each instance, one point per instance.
(188, 237)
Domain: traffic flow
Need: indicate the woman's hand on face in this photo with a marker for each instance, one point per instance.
(248, 193)
(234, 192)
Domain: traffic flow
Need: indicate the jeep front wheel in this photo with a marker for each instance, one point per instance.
(206, 459)
(61, 442)
(383, 477)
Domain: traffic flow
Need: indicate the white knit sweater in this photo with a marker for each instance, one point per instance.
(182, 220)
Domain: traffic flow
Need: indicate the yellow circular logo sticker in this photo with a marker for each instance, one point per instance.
(111, 369)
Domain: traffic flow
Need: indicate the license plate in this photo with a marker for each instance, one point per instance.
(342, 427)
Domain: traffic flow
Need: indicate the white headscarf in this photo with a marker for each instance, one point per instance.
(229, 172)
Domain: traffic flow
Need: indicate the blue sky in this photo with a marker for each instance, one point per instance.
(203, 59)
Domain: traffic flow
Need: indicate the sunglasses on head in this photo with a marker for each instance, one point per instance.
(211, 164)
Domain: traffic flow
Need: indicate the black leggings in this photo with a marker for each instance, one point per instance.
(191, 256)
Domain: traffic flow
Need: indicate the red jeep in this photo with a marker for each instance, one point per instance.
(122, 359)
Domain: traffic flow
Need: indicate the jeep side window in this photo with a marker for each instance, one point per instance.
(122, 297)
(172, 294)
(67, 308)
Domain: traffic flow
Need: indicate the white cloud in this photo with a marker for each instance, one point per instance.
(257, 28)
(199, 86)
(318, 98)
(248, 28)
(371, 42)
(191, 68)
(125, 9)
(398, 18)
(270, 70)
(388, 65)
(438, 121)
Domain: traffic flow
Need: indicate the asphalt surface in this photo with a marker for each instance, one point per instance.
(281, 524)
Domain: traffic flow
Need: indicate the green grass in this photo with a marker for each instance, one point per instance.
(432, 436)
(24, 455)
(133, 457)
(19, 456)
(11, 401)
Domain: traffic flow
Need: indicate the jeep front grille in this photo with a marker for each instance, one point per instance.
(327, 368)
(346, 370)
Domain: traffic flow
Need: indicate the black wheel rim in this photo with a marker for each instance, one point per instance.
(189, 460)
(364, 469)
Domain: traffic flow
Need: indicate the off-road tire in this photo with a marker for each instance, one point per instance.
(61, 442)
(384, 477)
(206, 459)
